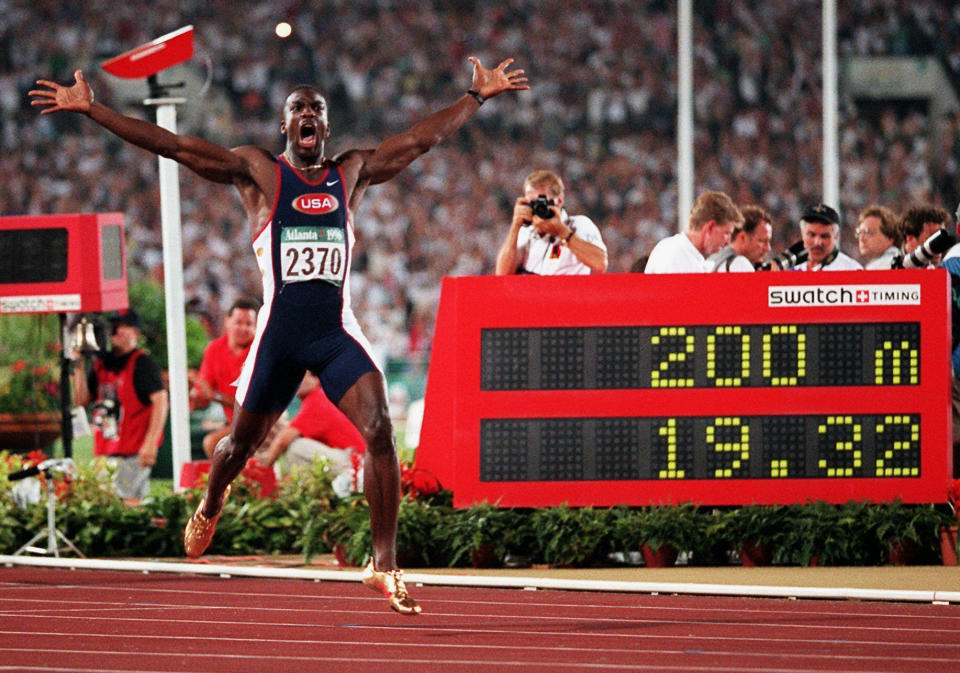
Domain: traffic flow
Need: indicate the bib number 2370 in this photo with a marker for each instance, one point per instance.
(313, 253)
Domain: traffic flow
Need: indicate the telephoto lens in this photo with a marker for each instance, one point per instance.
(938, 243)
(789, 258)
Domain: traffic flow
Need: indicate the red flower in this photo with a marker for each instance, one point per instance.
(61, 489)
(416, 481)
(36, 457)
(953, 496)
(19, 366)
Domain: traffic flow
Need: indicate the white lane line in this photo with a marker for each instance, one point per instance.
(486, 663)
(500, 581)
(72, 669)
(526, 648)
(185, 609)
(579, 635)
(773, 610)
(776, 610)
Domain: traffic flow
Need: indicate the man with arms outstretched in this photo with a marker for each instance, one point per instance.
(299, 206)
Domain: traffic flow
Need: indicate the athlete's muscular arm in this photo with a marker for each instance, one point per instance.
(398, 152)
(203, 157)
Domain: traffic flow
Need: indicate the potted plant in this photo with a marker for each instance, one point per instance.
(626, 537)
(752, 531)
(906, 532)
(480, 535)
(418, 526)
(826, 534)
(667, 530)
(570, 536)
(336, 528)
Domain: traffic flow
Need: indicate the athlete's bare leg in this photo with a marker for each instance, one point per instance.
(231, 453)
(365, 404)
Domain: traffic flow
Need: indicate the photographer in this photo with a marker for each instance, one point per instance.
(878, 237)
(130, 402)
(951, 262)
(820, 230)
(713, 219)
(544, 240)
(749, 243)
(918, 224)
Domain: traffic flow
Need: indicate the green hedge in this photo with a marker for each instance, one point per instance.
(305, 517)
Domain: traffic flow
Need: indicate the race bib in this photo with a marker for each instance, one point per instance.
(313, 253)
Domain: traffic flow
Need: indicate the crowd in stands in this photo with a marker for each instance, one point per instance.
(601, 112)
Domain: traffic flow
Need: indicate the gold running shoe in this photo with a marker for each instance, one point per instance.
(199, 531)
(390, 584)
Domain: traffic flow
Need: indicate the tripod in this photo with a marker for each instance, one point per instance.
(52, 533)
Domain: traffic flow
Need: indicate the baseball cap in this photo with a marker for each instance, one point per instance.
(820, 213)
(129, 318)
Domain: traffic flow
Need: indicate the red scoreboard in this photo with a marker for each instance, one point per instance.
(720, 389)
(62, 263)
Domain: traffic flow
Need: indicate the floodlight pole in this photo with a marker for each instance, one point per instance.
(173, 284)
(831, 143)
(685, 176)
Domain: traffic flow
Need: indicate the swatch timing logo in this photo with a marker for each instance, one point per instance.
(843, 295)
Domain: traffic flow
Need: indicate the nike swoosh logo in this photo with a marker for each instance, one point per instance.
(331, 184)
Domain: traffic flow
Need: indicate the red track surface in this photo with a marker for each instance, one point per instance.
(80, 620)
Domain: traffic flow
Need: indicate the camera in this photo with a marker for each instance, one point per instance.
(938, 243)
(63, 465)
(541, 207)
(105, 415)
(789, 258)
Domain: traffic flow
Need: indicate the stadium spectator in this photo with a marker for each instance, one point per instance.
(543, 239)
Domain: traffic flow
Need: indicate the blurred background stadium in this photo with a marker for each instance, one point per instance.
(602, 112)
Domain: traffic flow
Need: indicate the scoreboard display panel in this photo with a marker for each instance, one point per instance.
(62, 263)
(720, 389)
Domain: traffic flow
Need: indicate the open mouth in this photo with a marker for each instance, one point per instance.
(308, 135)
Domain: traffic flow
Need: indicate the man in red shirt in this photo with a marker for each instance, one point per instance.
(318, 429)
(223, 359)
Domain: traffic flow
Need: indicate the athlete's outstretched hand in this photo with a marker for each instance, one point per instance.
(57, 97)
(489, 83)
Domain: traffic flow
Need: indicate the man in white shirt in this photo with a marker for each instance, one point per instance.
(878, 237)
(749, 243)
(712, 220)
(820, 228)
(544, 240)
